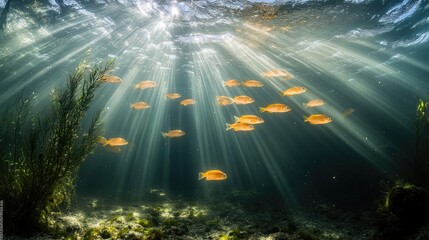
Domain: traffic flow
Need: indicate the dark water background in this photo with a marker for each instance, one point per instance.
(368, 55)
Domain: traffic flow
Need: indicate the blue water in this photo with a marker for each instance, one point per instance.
(371, 56)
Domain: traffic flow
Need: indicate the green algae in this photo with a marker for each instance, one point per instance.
(153, 234)
(91, 234)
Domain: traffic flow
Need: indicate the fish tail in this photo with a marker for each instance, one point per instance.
(228, 126)
(201, 175)
(305, 105)
(261, 109)
(282, 93)
(305, 118)
(236, 118)
(164, 134)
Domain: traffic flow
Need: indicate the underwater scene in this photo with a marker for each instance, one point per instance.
(210, 119)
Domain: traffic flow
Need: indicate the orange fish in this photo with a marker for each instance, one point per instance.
(111, 79)
(173, 133)
(112, 141)
(348, 111)
(249, 119)
(240, 127)
(293, 91)
(213, 175)
(285, 75)
(316, 119)
(173, 95)
(223, 100)
(275, 108)
(252, 83)
(140, 105)
(232, 83)
(145, 84)
(243, 100)
(314, 103)
(187, 102)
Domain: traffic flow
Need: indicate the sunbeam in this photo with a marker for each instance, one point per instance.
(302, 102)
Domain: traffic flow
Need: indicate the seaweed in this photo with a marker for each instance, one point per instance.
(40, 154)
(421, 159)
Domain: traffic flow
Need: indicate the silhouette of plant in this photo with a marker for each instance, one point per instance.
(422, 144)
(40, 154)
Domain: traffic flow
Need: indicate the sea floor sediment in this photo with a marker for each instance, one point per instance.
(241, 218)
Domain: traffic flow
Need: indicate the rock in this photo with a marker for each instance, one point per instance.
(423, 234)
(133, 236)
(70, 224)
(271, 229)
(405, 210)
(178, 230)
(409, 203)
(105, 234)
(279, 236)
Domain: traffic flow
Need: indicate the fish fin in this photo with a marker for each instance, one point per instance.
(102, 140)
(305, 118)
(201, 175)
(261, 109)
(164, 134)
(236, 118)
(228, 126)
(305, 105)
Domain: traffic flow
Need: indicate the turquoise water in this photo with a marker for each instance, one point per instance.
(368, 56)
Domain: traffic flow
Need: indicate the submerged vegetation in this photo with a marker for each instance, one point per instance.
(41, 154)
(422, 144)
(403, 213)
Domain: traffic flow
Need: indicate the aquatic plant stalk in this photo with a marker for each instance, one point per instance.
(41, 154)
(422, 144)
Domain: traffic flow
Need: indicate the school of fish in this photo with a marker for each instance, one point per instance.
(241, 123)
